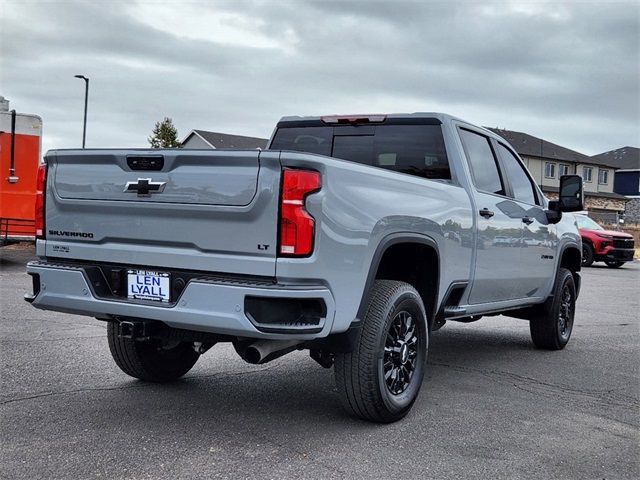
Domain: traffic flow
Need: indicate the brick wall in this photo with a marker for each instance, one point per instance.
(604, 203)
(599, 203)
(632, 213)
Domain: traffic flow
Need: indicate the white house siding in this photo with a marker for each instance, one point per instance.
(535, 167)
(195, 142)
(550, 181)
(607, 187)
(591, 186)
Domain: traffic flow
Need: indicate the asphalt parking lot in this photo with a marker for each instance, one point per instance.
(491, 405)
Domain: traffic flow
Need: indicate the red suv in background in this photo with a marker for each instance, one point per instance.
(600, 245)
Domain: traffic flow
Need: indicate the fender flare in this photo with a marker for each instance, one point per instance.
(576, 276)
(383, 245)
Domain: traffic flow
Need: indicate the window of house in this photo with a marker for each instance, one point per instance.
(550, 170)
(603, 177)
(587, 174)
(482, 161)
(563, 169)
(518, 178)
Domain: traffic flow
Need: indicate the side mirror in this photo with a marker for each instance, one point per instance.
(570, 198)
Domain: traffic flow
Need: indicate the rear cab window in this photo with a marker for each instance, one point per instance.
(413, 149)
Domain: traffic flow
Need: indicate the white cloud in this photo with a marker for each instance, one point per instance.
(203, 21)
(568, 73)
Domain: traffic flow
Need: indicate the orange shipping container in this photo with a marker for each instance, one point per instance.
(20, 156)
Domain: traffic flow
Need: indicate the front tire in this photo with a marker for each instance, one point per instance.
(380, 379)
(551, 328)
(587, 254)
(150, 360)
(613, 264)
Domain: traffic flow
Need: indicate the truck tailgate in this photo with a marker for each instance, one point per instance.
(208, 210)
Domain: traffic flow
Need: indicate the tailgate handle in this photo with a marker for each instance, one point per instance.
(147, 163)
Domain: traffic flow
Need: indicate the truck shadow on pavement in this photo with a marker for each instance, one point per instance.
(288, 409)
(273, 400)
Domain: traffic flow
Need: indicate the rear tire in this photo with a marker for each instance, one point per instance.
(587, 254)
(551, 328)
(380, 379)
(613, 264)
(151, 360)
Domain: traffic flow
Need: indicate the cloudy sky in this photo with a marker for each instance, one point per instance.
(565, 71)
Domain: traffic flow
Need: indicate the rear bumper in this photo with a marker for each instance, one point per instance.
(204, 305)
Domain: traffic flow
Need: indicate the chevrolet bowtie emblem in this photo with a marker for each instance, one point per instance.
(144, 187)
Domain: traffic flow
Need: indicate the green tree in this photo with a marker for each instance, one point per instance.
(164, 135)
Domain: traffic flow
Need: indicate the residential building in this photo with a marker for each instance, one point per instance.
(626, 178)
(548, 161)
(205, 139)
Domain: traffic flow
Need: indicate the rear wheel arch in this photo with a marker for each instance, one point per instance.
(410, 258)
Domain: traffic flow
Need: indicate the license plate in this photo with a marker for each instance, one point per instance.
(148, 285)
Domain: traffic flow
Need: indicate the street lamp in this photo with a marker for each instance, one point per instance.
(86, 100)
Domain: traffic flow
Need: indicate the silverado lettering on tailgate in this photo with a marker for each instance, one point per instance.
(64, 233)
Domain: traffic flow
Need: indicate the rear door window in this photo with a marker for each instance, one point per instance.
(484, 167)
(414, 149)
(518, 178)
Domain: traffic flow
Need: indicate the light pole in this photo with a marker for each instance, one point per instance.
(86, 100)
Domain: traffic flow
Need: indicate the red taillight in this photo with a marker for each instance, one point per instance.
(41, 181)
(296, 225)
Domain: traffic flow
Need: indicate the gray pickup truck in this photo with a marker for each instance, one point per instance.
(354, 237)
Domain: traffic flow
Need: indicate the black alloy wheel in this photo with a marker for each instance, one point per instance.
(400, 353)
(552, 324)
(380, 378)
(566, 313)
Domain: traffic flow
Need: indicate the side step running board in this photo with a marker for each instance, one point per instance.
(454, 312)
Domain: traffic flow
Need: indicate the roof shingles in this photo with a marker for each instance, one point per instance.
(225, 141)
(526, 144)
(627, 158)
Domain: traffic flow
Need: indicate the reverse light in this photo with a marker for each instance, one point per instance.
(296, 225)
(41, 182)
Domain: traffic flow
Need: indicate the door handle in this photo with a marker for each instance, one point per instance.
(486, 213)
(527, 220)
